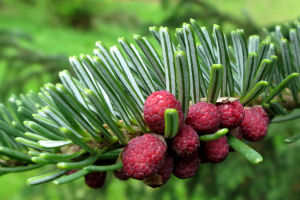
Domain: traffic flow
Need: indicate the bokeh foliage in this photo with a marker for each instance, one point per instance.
(23, 69)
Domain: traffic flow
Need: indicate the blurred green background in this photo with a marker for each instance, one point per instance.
(38, 36)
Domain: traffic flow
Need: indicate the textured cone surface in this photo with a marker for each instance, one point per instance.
(144, 156)
(216, 150)
(262, 112)
(120, 174)
(95, 180)
(203, 117)
(254, 126)
(232, 114)
(155, 107)
(186, 167)
(163, 174)
(185, 142)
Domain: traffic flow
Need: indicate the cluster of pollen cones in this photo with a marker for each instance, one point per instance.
(153, 158)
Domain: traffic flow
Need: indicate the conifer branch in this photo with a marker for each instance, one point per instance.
(91, 116)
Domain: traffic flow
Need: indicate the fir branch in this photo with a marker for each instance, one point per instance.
(73, 123)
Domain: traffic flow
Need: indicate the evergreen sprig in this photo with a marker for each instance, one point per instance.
(92, 115)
